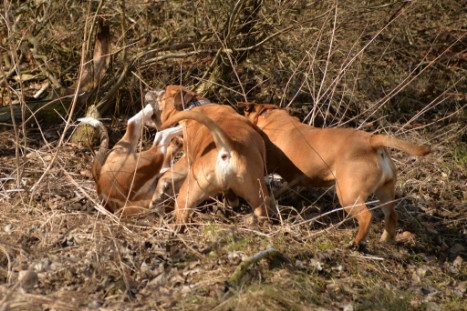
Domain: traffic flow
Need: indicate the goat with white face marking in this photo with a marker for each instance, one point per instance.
(126, 179)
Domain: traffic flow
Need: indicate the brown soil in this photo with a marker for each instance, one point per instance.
(81, 259)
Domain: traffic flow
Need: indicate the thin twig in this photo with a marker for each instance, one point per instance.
(70, 114)
(269, 253)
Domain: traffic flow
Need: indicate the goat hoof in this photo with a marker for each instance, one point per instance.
(359, 247)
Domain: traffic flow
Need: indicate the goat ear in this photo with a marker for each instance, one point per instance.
(181, 99)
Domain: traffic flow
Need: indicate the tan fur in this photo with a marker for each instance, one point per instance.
(355, 161)
(126, 179)
(223, 152)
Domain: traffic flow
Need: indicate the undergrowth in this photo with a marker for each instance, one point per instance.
(392, 67)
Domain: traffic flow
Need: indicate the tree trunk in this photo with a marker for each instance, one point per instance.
(91, 81)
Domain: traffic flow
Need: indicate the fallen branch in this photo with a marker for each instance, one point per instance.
(270, 253)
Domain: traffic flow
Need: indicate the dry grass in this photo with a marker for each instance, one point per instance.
(84, 259)
(394, 67)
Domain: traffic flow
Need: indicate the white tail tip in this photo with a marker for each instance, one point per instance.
(90, 121)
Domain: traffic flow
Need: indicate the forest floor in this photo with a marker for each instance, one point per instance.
(397, 67)
(59, 252)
